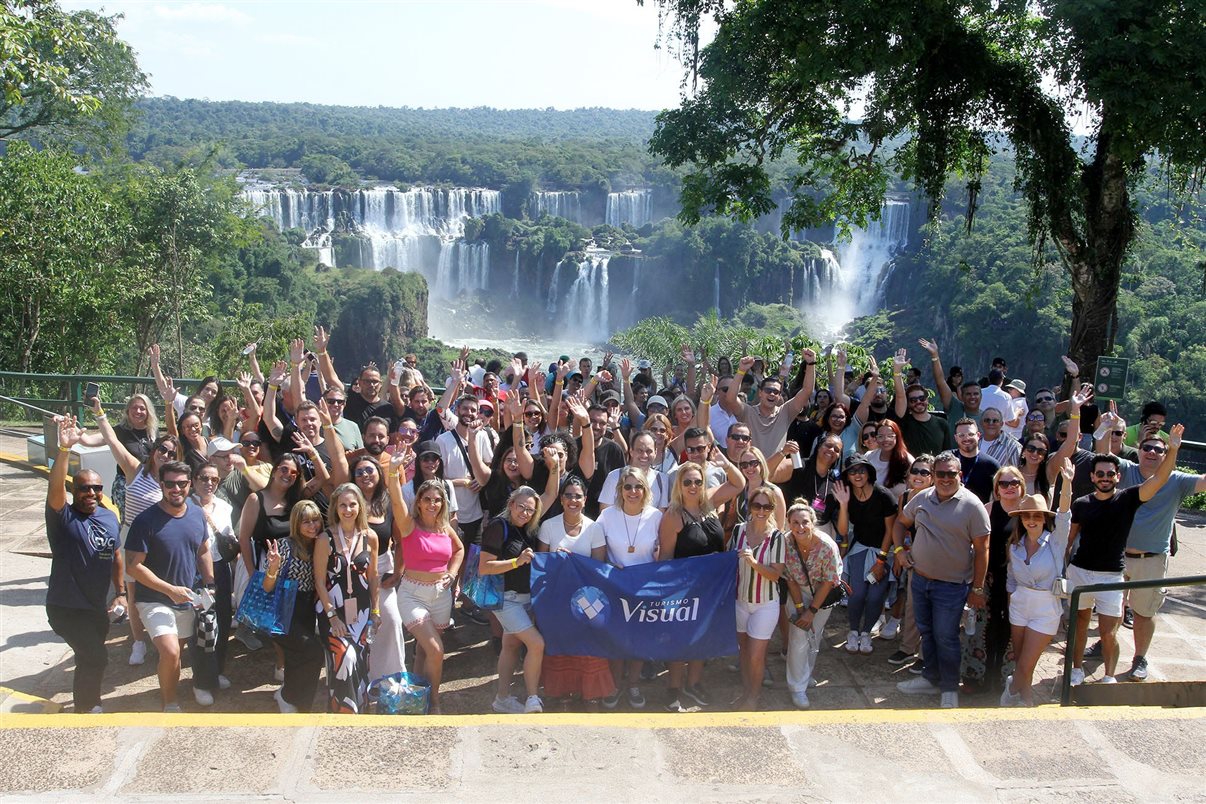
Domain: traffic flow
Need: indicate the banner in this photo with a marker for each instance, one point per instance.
(664, 610)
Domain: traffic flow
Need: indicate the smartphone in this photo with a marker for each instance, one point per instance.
(91, 391)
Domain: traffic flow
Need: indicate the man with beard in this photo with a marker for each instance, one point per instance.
(1102, 523)
(769, 419)
(978, 469)
(454, 452)
(608, 456)
(167, 549)
(965, 403)
(84, 560)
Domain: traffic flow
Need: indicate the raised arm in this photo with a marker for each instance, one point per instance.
(800, 401)
(732, 402)
(335, 450)
(480, 469)
(898, 388)
(56, 492)
(397, 501)
(254, 363)
(839, 385)
(161, 382)
(586, 455)
(734, 480)
(630, 405)
(128, 464)
(552, 486)
(326, 368)
(249, 404)
(864, 405)
(295, 391)
(268, 416)
(1068, 448)
(1156, 482)
(944, 390)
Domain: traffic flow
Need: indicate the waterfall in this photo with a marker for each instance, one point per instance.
(554, 290)
(559, 203)
(862, 264)
(630, 206)
(461, 268)
(716, 288)
(585, 315)
(406, 229)
(515, 277)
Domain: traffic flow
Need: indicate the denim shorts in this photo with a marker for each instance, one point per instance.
(516, 613)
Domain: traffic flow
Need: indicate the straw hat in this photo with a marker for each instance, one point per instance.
(1033, 504)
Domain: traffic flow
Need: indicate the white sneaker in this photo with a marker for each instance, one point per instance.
(285, 707)
(507, 706)
(97, 710)
(879, 625)
(223, 683)
(917, 686)
(1108, 680)
(1010, 698)
(172, 709)
(864, 643)
(1078, 676)
(950, 700)
(203, 697)
(852, 641)
(800, 700)
(533, 704)
(138, 653)
(279, 675)
(891, 629)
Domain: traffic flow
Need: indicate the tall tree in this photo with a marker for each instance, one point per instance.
(835, 84)
(64, 76)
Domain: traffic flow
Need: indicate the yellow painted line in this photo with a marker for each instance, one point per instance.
(17, 460)
(623, 720)
(48, 707)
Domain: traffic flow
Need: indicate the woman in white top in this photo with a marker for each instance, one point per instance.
(630, 531)
(585, 677)
(1036, 559)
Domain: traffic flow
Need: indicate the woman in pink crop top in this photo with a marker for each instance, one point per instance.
(432, 555)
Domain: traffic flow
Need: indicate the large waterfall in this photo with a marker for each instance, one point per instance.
(559, 203)
(863, 263)
(630, 206)
(585, 312)
(411, 230)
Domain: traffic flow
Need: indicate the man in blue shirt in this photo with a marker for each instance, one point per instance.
(167, 548)
(84, 560)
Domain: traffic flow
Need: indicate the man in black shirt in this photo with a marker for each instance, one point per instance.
(1102, 522)
(977, 468)
(608, 456)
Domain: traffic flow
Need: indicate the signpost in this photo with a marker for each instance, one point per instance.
(1110, 380)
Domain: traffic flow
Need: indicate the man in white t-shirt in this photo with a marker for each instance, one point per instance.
(640, 455)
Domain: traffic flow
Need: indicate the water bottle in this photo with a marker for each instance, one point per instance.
(969, 621)
(796, 461)
(119, 613)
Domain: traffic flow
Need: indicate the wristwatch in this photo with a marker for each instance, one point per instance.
(813, 609)
(331, 613)
(977, 590)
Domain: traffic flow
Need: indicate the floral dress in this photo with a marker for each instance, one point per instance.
(348, 590)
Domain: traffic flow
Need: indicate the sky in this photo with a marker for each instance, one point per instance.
(507, 54)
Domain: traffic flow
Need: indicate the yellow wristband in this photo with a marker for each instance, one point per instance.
(64, 449)
(514, 563)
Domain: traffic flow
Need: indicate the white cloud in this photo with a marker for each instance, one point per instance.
(201, 12)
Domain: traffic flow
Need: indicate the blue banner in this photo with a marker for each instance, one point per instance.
(665, 610)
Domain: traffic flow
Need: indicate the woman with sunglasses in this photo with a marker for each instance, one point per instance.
(683, 417)
(1037, 555)
(865, 517)
(890, 458)
(689, 528)
(508, 544)
(587, 678)
(984, 652)
(142, 491)
(388, 655)
(760, 546)
(192, 438)
(209, 668)
(535, 423)
(430, 560)
(814, 567)
(664, 457)
(429, 466)
(348, 595)
(139, 427)
(292, 559)
(630, 531)
(756, 475)
(921, 477)
(1037, 471)
(814, 481)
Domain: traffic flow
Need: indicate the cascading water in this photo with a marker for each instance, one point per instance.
(585, 314)
(559, 203)
(554, 290)
(515, 278)
(863, 261)
(630, 206)
(462, 267)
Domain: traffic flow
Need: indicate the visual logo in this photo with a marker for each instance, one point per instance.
(591, 606)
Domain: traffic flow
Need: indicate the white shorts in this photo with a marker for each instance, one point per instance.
(757, 619)
(1034, 609)
(161, 619)
(419, 601)
(516, 613)
(1108, 603)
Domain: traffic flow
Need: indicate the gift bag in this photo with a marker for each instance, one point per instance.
(205, 629)
(268, 612)
(486, 591)
(400, 694)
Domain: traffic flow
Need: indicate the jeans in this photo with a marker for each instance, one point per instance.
(938, 607)
(85, 631)
(865, 602)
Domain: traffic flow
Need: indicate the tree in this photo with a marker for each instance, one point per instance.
(61, 243)
(65, 76)
(942, 87)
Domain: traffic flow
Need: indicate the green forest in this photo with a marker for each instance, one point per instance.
(136, 233)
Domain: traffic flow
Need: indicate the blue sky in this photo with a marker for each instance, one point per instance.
(501, 53)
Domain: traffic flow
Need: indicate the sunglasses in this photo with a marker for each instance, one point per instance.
(697, 448)
(657, 430)
(336, 401)
(1035, 448)
(165, 450)
(869, 434)
(945, 474)
(1038, 418)
(857, 470)
(174, 484)
(759, 506)
(364, 471)
(913, 399)
(920, 472)
(633, 487)
(771, 391)
(250, 444)
(693, 483)
(1153, 448)
(532, 414)
(1008, 484)
(748, 464)
(991, 421)
(739, 437)
(1110, 473)
(94, 488)
(1044, 399)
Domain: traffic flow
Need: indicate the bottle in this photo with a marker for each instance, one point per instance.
(796, 461)
(871, 576)
(969, 621)
(787, 361)
(119, 613)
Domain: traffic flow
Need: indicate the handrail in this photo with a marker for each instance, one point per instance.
(1065, 695)
(74, 401)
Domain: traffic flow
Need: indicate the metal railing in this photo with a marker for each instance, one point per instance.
(72, 400)
(1065, 694)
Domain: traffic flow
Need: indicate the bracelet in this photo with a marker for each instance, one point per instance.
(810, 362)
(514, 563)
(323, 352)
(272, 387)
(740, 373)
(271, 574)
(375, 611)
(705, 401)
(800, 605)
(328, 427)
(897, 549)
(64, 449)
(101, 416)
(1074, 417)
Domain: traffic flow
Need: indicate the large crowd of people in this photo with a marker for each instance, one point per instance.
(948, 521)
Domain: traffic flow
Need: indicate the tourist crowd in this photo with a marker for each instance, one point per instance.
(953, 519)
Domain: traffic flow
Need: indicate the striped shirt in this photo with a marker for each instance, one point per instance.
(751, 586)
(141, 494)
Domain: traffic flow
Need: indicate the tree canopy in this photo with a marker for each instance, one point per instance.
(856, 90)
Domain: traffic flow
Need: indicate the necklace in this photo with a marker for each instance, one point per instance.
(628, 531)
